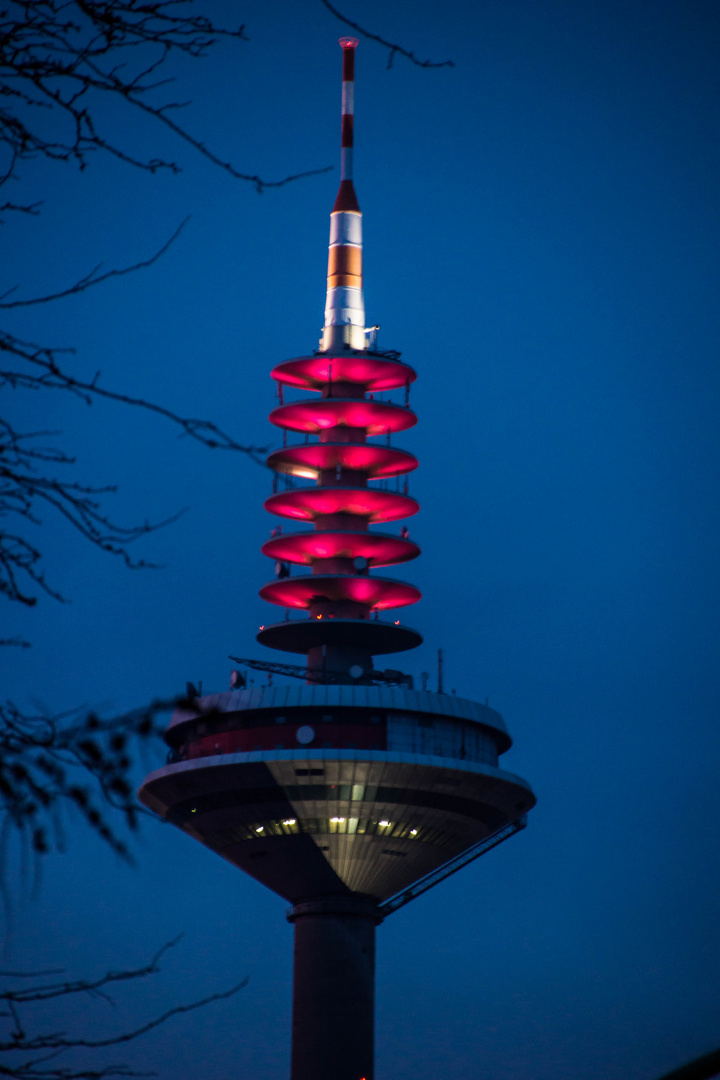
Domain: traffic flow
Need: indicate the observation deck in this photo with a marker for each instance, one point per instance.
(334, 790)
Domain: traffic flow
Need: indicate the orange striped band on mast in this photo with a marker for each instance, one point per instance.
(345, 266)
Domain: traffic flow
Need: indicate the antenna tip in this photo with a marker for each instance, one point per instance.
(348, 42)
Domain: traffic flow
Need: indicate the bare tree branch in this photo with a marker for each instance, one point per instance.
(394, 49)
(93, 278)
(25, 487)
(75, 761)
(79, 986)
(19, 1048)
(48, 375)
(51, 763)
(58, 60)
(26, 484)
(59, 57)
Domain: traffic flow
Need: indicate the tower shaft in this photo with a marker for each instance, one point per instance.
(333, 990)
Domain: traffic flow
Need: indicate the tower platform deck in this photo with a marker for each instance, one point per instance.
(374, 635)
(373, 459)
(375, 417)
(380, 549)
(373, 371)
(373, 504)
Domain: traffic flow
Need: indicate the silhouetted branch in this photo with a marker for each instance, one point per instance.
(47, 374)
(25, 487)
(59, 61)
(93, 278)
(59, 58)
(19, 1047)
(51, 763)
(394, 49)
(260, 185)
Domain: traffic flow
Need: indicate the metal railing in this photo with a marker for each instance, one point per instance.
(324, 676)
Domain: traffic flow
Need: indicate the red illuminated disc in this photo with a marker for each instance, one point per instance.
(380, 549)
(309, 458)
(364, 369)
(377, 593)
(375, 417)
(305, 504)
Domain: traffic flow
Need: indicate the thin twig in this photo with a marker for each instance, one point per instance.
(386, 44)
(94, 278)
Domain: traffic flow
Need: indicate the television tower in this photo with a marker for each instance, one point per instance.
(351, 793)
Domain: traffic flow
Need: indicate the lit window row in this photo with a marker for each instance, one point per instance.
(351, 826)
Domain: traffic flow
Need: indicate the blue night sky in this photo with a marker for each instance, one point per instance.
(541, 242)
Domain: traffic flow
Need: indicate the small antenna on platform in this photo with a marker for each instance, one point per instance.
(440, 672)
(238, 681)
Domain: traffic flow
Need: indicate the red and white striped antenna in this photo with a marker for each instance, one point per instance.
(348, 46)
(345, 306)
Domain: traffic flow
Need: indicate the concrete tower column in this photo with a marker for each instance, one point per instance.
(334, 989)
